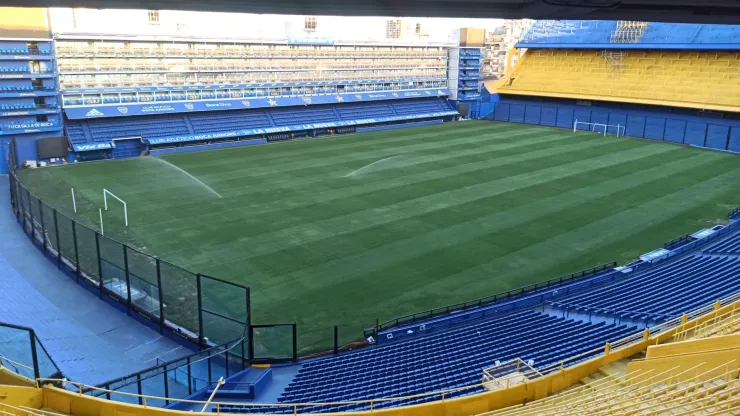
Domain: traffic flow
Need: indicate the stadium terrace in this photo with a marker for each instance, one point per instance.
(317, 226)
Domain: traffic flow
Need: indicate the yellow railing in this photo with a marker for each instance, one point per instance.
(725, 323)
(663, 389)
(626, 346)
(14, 363)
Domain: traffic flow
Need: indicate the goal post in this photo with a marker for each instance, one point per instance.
(598, 128)
(105, 203)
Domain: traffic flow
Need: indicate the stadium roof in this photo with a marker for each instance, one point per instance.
(705, 11)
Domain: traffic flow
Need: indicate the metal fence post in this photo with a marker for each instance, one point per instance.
(295, 343)
(77, 254)
(59, 248)
(166, 387)
(160, 296)
(23, 213)
(250, 335)
(200, 311)
(336, 340)
(36, 373)
(226, 358)
(100, 263)
(43, 228)
(190, 378)
(128, 277)
(30, 213)
(138, 386)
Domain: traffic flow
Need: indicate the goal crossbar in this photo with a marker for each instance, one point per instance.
(599, 127)
(105, 202)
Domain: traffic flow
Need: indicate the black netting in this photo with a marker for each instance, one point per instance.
(180, 295)
(113, 267)
(66, 240)
(273, 342)
(143, 278)
(88, 253)
(224, 310)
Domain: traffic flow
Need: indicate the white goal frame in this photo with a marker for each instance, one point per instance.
(105, 201)
(596, 127)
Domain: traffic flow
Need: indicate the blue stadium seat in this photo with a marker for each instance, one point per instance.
(663, 292)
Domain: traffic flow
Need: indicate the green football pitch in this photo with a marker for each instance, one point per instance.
(347, 229)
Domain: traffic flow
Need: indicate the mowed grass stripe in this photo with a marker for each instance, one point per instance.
(303, 232)
(351, 161)
(304, 193)
(433, 273)
(283, 152)
(271, 221)
(176, 188)
(628, 221)
(448, 228)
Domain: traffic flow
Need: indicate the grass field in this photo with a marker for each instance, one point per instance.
(346, 229)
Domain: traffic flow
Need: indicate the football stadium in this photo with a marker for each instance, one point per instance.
(303, 224)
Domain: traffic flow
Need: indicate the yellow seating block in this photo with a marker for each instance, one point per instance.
(703, 80)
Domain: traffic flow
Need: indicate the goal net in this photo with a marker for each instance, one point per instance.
(616, 129)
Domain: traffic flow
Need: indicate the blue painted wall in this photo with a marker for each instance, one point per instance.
(4, 156)
(713, 130)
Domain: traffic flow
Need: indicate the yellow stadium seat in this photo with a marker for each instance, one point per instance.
(706, 80)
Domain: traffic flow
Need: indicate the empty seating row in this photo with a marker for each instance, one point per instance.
(704, 80)
(17, 69)
(18, 88)
(288, 116)
(730, 245)
(231, 120)
(444, 361)
(18, 106)
(76, 133)
(663, 292)
(104, 129)
(365, 110)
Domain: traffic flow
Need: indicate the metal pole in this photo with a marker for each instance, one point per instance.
(295, 343)
(250, 335)
(200, 311)
(74, 202)
(43, 228)
(128, 276)
(138, 386)
(190, 378)
(77, 254)
(59, 248)
(100, 264)
(160, 296)
(336, 340)
(166, 386)
(35, 358)
(30, 211)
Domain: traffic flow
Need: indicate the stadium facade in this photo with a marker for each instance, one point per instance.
(123, 96)
(109, 95)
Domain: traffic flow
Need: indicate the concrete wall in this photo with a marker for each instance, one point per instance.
(720, 131)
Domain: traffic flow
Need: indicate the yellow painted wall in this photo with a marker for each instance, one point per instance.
(20, 396)
(10, 378)
(470, 37)
(24, 22)
(694, 346)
